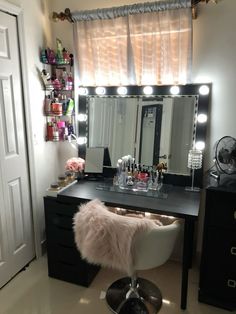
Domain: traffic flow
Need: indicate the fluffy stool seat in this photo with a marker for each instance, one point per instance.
(127, 244)
(106, 238)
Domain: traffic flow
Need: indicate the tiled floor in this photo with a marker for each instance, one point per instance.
(33, 292)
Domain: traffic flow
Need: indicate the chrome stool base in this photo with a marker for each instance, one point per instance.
(145, 298)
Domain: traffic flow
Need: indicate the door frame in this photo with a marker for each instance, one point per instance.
(17, 11)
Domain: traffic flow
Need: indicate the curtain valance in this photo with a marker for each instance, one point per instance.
(115, 12)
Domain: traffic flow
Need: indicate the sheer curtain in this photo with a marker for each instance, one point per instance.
(135, 49)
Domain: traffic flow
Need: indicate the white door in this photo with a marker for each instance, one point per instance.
(16, 231)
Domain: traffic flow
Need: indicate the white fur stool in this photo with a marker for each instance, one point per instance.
(128, 244)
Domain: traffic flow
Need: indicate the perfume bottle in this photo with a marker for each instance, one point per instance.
(51, 56)
(55, 133)
(129, 181)
(49, 131)
(43, 56)
(61, 130)
(150, 180)
(64, 102)
(156, 179)
(64, 79)
(59, 53)
(116, 179)
(47, 80)
(66, 56)
(69, 82)
(160, 183)
(123, 176)
(47, 105)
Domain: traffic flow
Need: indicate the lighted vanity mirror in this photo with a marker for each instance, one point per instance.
(152, 128)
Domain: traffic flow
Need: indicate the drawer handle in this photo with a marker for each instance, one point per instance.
(231, 283)
(233, 250)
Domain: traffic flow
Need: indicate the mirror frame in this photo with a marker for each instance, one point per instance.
(162, 90)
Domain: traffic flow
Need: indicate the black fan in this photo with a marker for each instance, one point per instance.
(225, 156)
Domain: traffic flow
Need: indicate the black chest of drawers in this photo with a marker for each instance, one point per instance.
(218, 263)
(64, 260)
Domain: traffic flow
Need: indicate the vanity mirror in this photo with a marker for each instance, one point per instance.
(154, 124)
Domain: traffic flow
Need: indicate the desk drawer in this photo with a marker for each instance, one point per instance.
(81, 274)
(64, 261)
(220, 247)
(53, 206)
(63, 254)
(220, 282)
(59, 220)
(59, 235)
(221, 208)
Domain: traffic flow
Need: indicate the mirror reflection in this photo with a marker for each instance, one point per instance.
(152, 129)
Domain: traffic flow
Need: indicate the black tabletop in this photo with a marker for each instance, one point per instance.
(179, 203)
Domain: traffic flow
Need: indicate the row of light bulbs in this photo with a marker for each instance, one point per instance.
(147, 90)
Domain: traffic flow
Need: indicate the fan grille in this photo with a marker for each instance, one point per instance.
(225, 155)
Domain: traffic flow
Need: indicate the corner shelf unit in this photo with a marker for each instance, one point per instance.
(59, 103)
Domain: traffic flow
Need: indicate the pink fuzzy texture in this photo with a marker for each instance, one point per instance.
(75, 164)
(106, 238)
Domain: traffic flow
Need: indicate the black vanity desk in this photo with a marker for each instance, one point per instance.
(179, 203)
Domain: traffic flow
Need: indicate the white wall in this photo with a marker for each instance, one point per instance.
(214, 60)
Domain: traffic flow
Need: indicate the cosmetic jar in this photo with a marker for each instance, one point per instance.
(56, 108)
(70, 176)
(54, 187)
(62, 180)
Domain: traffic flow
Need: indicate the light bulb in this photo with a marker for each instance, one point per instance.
(122, 90)
(204, 90)
(82, 91)
(202, 118)
(200, 145)
(100, 90)
(81, 140)
(148, 90)
(174, 90)
(82, 117)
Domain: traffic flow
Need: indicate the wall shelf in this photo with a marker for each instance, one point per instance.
(59, 104)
